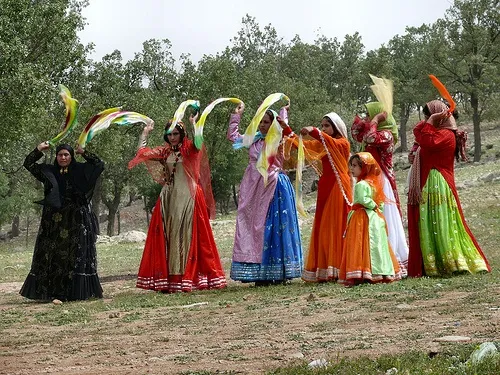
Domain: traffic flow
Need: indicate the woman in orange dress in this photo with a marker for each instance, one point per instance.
(331, 148)
(367, 255)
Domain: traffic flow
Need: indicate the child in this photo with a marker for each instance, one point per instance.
(367, 255)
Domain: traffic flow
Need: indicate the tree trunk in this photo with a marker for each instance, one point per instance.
(476, 120)
(118, 218)
(235, 196)
(96, 198)
(131, 198)
(403, 119)
(15, 227)
(112, 206)
(110, 231)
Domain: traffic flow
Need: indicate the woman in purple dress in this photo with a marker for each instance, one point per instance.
(267, 247)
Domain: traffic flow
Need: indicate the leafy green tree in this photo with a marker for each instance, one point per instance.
(465, 46)
(39, 48)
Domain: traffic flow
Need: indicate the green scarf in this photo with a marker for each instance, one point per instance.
(374, 108)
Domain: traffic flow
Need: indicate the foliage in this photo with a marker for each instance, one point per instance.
(39, 48)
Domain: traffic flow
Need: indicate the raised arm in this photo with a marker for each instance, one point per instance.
(143, 138)
(232, 132)
(30, 163)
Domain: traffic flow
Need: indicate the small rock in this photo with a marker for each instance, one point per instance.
(403, 306)
(132, 236)
(192, 305)
(298, 355)
(453, 339)
(318, 363)
(57, 302)
(248, 297)
(311, 297)
(392, 371)
(65, 312)
(113, 315)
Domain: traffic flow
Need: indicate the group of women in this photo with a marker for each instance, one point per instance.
(357, 234)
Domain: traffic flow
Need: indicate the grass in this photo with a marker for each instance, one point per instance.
(450, 361)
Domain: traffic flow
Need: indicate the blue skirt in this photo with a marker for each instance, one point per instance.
(282, 252)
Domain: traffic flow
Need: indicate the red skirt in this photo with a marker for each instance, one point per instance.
(203, 267)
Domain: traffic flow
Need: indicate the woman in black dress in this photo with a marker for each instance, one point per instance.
(64, 262)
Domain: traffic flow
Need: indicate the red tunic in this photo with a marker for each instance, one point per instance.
(379, 143)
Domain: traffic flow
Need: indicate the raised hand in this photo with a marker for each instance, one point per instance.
(193, 119)
(239, 109)
(43, 146)
(147, 129)
(380, 117)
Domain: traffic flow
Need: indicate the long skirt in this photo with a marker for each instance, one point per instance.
(64, 262)
(170, 263)
(445, 244)
(367, 255)
(282, 250)
(396, 232)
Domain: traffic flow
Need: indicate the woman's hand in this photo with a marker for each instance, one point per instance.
(380, 117)
(437, 119)
(194, 118)
(43, 146)
(306, 130)
(411, 157)
(147, 129)
(239, 109)
(79, 150)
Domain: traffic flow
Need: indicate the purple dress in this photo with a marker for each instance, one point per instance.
(267, 240)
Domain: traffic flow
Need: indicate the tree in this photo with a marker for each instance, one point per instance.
(39, 48)
(466, 46)
(410, 67)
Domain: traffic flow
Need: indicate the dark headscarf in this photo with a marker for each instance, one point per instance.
(68, 148)
(82, 177)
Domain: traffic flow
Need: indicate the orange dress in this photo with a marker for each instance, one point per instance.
(325, 248)
(367, 254)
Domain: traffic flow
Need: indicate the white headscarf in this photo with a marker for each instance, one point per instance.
(339, 124)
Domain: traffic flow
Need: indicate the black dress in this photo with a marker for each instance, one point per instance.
(64, 262)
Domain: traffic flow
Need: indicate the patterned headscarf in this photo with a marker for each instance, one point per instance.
(437, 106)
(338, 123)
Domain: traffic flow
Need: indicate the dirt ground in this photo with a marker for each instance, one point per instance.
(248, 336)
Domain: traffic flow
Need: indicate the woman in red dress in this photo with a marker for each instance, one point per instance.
(180, 252)
(441, 242)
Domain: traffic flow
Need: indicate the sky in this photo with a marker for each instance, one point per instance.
(199, 27)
